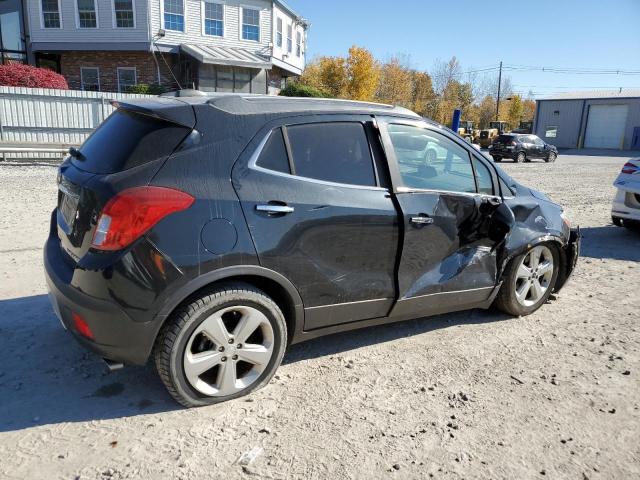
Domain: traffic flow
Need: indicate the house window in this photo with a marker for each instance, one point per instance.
(298, 44)
(174, 15)
(126, 78)
(213, 19)
(123, 14)
(86, 14)
(279, 33)
(289, 38)
(50, 14)
(551, 132)
(242, 80)
(90, 79)
(251, 24)
(224, 79)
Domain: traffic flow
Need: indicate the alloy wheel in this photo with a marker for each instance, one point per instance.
(228, 351)
(533, 277)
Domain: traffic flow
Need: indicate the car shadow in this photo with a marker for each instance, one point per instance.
(48, 378)
(345, 341)
(613, 242)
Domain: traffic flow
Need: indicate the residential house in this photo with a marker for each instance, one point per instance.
(214, 45)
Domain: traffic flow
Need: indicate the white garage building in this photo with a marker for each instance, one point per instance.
(601, 119)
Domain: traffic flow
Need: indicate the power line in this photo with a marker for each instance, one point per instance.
(573, 71)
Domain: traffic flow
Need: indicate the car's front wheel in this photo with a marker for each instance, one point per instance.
(497, 158)
(552, 157)
(528, 280)
(222, 345)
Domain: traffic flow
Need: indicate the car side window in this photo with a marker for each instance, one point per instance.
(538, 142)
(335, 152)
(483, 175)
(274, 154)
(428, 160)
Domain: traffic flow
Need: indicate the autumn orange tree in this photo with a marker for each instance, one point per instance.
(363, 74)
(359, 76)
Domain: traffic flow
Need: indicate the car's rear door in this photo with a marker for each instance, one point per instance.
(320, 214)
(448, 261)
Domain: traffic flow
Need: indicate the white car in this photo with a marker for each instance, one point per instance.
(626, 204)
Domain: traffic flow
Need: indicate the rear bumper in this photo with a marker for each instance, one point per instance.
(119, 333)
(571, 254)
(512, 154)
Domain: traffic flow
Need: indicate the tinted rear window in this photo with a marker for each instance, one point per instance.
(126, 140)
(505, 139)
(335, 152)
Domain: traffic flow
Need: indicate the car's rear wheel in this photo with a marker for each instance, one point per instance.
(497, 158)
(528, 280)
(552, 157)
(222, 345)
(521, 157)
(617, 221)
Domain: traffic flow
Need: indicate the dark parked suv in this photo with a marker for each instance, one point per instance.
(522, 148)
(212, 232)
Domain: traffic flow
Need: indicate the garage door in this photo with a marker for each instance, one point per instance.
(605, 126)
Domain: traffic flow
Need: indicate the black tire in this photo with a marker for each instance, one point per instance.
(174, 336)
(506, 299)
(521, 157)
(497, 159)
(617, 221)
(551, 158)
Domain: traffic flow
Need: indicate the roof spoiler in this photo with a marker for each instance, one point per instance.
(165, 109)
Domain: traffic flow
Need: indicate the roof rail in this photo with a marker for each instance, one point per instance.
(185, 92)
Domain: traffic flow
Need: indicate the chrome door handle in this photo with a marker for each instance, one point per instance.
(274, 208)
(421, 220)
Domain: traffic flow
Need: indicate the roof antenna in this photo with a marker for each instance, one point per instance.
(159, 35)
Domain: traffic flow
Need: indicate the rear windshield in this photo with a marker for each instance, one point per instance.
(126, 140)
(504, 139)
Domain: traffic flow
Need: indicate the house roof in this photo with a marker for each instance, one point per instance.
(283, 5)
(583, 95)
(237, 57)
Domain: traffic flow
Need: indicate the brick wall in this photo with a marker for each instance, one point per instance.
(108, 63)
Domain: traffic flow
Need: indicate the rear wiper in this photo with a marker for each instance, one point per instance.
(75, 153)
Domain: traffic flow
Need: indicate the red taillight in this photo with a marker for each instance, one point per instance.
(630, 168)
(132, 212)
(81, 326)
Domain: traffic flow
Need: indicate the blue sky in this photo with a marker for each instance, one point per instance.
(594, 34)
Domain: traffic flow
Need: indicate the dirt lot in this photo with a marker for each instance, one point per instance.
(470, 395)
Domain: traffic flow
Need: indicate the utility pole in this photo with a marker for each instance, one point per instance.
(498, 100)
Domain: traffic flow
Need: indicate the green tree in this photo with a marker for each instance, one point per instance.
(515, 111)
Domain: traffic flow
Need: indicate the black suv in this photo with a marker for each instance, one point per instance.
(521, 148)
(212, 232)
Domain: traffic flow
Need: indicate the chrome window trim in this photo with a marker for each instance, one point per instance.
(254, 166)
(426, 190)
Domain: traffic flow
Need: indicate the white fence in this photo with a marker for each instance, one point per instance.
(45, 116)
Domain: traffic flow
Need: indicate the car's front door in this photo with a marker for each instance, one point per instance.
(320, 216)
(448, 259)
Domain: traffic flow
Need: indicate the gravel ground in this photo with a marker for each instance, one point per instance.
(470, 395)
